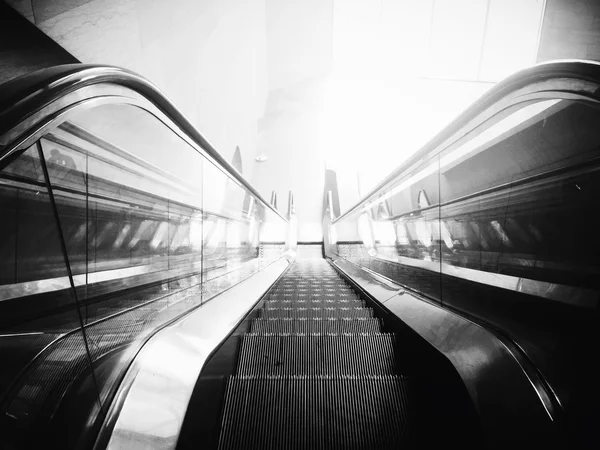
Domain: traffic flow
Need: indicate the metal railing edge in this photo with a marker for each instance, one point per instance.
(20, 97)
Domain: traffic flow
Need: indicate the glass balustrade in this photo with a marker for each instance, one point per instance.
(114, 224)
(498, 224)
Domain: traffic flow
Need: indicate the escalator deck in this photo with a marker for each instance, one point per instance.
(315, 371)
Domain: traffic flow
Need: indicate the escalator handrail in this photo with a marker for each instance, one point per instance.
(527, 78)
(488, 191)
(23, 97)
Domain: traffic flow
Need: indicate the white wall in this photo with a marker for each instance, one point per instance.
(209, 57)
(300, 40)
(300, 56)
(403, 69)
(295, 161)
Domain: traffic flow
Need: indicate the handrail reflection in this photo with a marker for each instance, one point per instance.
(39, 90)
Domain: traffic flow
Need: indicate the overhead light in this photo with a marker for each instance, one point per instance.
(261, 158)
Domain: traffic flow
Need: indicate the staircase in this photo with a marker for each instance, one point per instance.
(315, 371)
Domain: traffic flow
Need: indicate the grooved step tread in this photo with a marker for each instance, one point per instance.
(308, 326)
(315, 371)
(322, 303)
(344, 354)
(306, 312)
(316, 413)
(315, 296)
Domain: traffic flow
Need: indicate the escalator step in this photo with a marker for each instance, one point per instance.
(309, 326)
(329, 291)
(315, 371)
(343, 354)
(316, 303)
(315, 413)
(311, 313)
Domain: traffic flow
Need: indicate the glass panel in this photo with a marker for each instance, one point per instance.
(401, 226)
(500, 226)
(151, 229)
(523, 259)
(352, 238)
(519, 143)
(129, 198)
(272, 236)
(241, 235)
(40, 330)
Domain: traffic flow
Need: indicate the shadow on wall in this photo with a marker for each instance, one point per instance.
(24, 48)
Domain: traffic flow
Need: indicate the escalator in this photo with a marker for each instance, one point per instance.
(150, 297)
(311, 357)
(315, 367)
(109, 234)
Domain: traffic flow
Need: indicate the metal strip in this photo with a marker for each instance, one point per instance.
(153, 398)
(483, 358)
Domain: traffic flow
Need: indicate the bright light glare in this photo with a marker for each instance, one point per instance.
(234, 235)
(384, 232)
(213, 232)
(366, 234)
(367, 128)
(159, 235)
(404, 69)
(424, 233)
(272, 232)
(333, 235)
(446, 236)
(252, 231)
(196, 232)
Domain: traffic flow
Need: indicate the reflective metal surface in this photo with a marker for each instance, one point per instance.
(153, 398)
(117, 220)
(492, 219)
(377, 286)
(507, 391)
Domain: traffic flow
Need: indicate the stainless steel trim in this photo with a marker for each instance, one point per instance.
(571, 295)
(45, 93)
(568, 79)
(151, 404)
(520, 398)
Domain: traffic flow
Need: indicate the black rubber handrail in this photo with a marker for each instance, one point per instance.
(25, 96)
(593, 163)
(588, 71)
